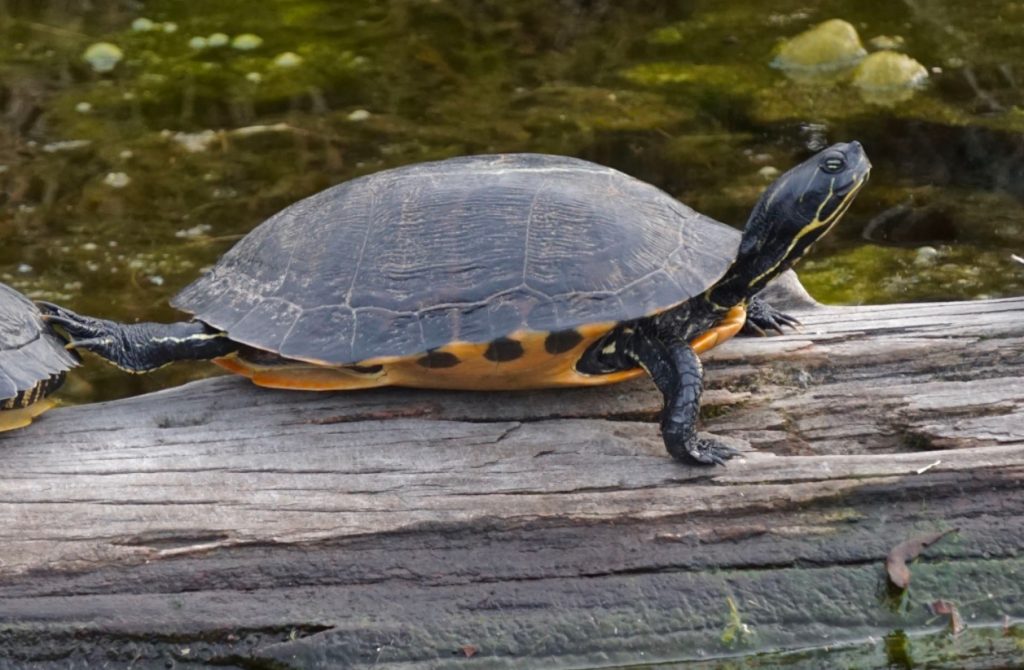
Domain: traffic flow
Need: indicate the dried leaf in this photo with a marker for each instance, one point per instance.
(468, 650)
(896, 561)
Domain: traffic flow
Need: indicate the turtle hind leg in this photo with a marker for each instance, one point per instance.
(138, 347)
(762, 317)
(678, 374)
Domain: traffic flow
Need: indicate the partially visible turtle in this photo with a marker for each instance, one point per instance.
(493, 272)
(33, 360)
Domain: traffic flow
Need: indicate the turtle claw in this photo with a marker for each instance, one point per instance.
(762, 317)
(82, 332)
(102, 345)
(701, 451)
(710, 452)
(80, 329)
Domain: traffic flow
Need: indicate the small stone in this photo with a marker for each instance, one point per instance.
(195, 231)
(889, 70)
(117, 179)
(217, 40)
(90, 246)
(926, 256)
(126, 154)
(103, 56)
(288, 59)
(246, 42)
(156, 280)
(888, 77)
(827, 47)
(254, 77)
(25, 268)
(65, 145)
(198, 43)
(83, 108)
(195, 142)
(768, 173)
(359, 115)
(142, 25)
(170, 27)
(888, 42)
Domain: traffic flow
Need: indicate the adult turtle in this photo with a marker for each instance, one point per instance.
(33, 360)
(493, 272)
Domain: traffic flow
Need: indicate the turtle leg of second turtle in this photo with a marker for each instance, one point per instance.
(139, 347)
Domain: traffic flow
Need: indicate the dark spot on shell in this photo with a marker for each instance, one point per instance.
(439, 359)
(562, 341)
(503, 349)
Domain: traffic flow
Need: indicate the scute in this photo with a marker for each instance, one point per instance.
(29, 352)
(469, 249)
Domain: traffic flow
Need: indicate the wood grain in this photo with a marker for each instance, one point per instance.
(219, 522)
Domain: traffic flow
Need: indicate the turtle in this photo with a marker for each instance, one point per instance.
(33, 360)
(512, 271)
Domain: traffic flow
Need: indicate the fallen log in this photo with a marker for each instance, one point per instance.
(222, 523)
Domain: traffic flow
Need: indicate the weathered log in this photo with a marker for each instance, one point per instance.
(222, 522)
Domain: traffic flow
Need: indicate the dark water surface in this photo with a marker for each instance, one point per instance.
(117, 188)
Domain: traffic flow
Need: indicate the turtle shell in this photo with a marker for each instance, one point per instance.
(33, 359)
(469, 249)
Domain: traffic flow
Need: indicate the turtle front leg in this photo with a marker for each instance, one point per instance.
(679, 375)
(138, 347)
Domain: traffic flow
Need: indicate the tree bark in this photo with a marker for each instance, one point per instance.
(220, 522)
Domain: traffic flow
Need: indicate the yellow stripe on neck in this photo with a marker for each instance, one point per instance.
(815, 224)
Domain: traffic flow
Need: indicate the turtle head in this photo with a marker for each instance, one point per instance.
(797, 209)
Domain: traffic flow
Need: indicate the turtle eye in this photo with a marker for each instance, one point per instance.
(833, 163)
